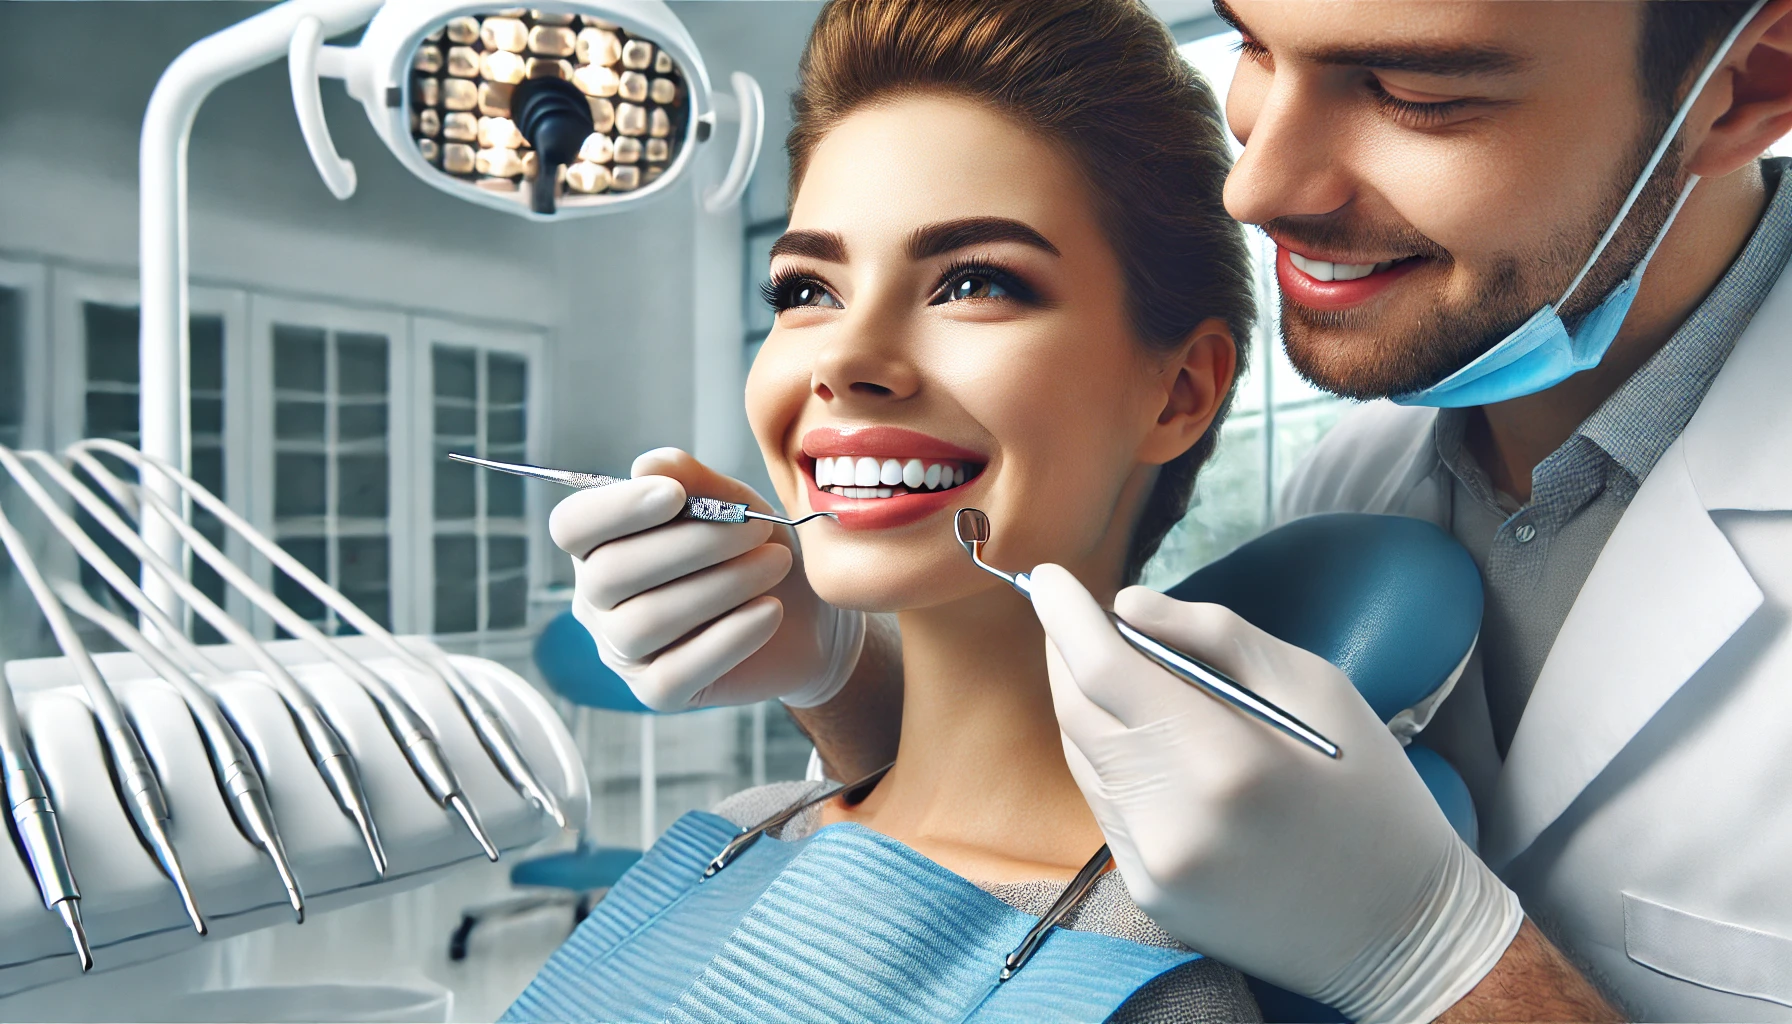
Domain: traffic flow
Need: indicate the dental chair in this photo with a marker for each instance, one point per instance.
(1393, 602)
(568, 661)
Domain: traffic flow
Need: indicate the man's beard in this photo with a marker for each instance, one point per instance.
(1399, 358)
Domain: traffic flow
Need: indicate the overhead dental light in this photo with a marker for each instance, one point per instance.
(566, 109)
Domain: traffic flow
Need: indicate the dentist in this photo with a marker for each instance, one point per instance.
(1544, 231)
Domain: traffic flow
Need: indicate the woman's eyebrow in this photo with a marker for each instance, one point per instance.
(939, 239)
(826, 246)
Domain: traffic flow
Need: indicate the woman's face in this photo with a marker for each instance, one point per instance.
(952, 331)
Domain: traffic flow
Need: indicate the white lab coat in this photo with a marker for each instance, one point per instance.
(1644, 811)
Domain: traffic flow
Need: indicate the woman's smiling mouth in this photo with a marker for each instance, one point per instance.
(882, 477)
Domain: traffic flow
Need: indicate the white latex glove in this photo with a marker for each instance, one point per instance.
(694, 614)
(1337, 879)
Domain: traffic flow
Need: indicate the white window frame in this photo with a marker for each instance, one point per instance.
(70, 289)
(265, 312)
(532, 345)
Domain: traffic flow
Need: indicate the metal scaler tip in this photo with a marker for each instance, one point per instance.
(370, 837)
(170, 861)
(70, 910)
(465, 810)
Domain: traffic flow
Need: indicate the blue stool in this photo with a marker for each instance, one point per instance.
(1340, 585)
(568, 661)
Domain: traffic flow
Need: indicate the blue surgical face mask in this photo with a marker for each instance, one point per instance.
(1542, 352)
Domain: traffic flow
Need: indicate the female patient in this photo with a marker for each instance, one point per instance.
(1008, 283)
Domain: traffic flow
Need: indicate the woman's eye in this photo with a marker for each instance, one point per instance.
(973, 286)
(783, 295)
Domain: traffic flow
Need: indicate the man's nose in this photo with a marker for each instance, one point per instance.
(1295, 159)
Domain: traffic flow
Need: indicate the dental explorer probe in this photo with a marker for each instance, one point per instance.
(237, 777)
(972, 527)
(493, 733)
(35, 817)
(330, 755)
(132, 772)
(711, 510)
(407, 727)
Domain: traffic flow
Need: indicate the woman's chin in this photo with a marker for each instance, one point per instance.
(870, 582)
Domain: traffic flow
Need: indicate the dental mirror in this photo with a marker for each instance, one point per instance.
(973, 530)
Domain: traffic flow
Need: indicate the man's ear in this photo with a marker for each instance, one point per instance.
(1748, 102)
(1196, 379)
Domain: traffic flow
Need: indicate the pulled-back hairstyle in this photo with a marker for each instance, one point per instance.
(1102, 80)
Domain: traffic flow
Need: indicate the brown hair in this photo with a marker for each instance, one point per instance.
(1101, 78)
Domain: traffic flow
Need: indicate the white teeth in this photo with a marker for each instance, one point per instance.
(867, 477)
(1321, 270)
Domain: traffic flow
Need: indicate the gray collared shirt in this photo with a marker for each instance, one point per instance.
(1535, 557)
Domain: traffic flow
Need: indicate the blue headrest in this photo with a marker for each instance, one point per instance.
(567, 658)
(1394, 602)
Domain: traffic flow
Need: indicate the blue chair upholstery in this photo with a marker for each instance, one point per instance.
(1393, 602)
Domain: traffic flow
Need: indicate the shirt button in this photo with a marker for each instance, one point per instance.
(1525, 533)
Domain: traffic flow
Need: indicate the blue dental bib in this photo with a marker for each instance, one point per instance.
(846, 925)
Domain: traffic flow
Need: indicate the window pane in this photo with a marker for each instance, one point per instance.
(364, 485)
(299, 485)
(111, 415)
(507, 596)
(457, 584)
(458, 420)
(208, 470)
(456, 488)
(111, 342)
(299, 421)
(12, 365)
(298, 358)
(455, 373)
(361, 367)
(361, 422)
(366, 577)
(504, 426)
(208, 415)
(313, 552)
(509, 380)
(504, 494)
(205, 366)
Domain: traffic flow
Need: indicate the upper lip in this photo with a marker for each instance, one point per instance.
(883, 442)
(1337, 256)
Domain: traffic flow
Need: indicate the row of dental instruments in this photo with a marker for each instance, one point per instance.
(973, 530)
(710, 510)
(163, 646)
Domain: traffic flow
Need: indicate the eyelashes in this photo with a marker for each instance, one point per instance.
(791, 288)
(1416, 115)
(976, 277)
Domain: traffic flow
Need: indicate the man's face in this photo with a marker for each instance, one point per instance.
(1433, 171)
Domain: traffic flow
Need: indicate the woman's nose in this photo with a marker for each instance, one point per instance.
(866, 364)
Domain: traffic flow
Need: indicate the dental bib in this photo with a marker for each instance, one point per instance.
(846, 925)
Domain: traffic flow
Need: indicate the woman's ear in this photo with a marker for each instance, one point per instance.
(1194, 381)
(1752, 94)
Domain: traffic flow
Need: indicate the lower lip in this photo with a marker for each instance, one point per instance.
(1311, 292)
(882, 513)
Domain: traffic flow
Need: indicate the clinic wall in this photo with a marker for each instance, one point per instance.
(611, 292)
